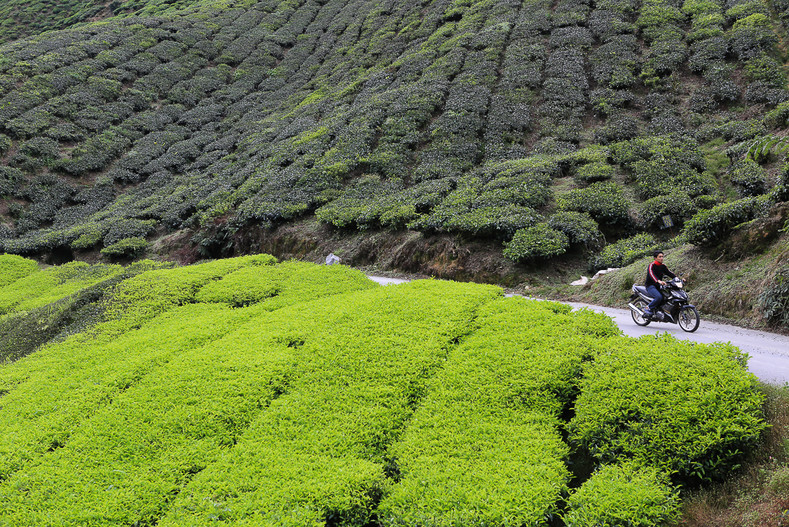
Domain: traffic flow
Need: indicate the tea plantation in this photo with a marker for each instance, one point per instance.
(546, 126)
(248, 391)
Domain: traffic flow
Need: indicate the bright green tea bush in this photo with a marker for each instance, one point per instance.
(246, 390)
(471, 454)
(362, 363)
(46, 286)
(13, 268)
(670, 405)
(623, 495)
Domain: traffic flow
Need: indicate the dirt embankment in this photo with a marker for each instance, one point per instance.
(397, 252)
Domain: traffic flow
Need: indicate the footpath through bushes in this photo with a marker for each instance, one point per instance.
(252, 392)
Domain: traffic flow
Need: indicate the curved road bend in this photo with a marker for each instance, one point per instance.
(769, 352)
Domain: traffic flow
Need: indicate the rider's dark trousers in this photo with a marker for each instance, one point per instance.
(657, 298)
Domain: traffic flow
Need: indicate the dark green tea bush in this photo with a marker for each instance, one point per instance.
(678, 205)
(623, 495)
(749, 177)
(625, 251)
(688, 409)
(774, 301)
(132, 247)
(710, 227)
(538, 241)
(579, 227)
(604, 201)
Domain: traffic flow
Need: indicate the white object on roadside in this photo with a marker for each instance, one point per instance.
(583, 281)
(332, 259)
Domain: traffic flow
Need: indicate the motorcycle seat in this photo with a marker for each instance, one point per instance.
(641, 290)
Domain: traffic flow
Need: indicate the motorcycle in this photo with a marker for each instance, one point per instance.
(674, 308)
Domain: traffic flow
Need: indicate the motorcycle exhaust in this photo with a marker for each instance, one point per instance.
(635, 309)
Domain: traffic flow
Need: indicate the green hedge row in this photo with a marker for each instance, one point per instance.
(689, 409)
(362, 365)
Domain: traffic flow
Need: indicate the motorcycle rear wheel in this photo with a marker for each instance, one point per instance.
(638, 319)
(688, 319)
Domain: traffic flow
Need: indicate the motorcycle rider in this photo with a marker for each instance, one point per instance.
(655, 273)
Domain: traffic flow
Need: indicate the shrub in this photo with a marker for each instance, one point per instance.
(593, 172)
(128, 228)
(623, 495)
(579, 227)
(774, 300)
(625, 251)
(749, 178)
(538, 241)
(689, 409)
(604, 201)
(678, 205)
(13, 268)
(764, 68)
(126, 248)
(710, 227)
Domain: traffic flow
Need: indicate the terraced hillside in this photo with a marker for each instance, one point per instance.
(246, 391)
(544, 126)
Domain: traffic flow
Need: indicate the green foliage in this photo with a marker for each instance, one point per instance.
(625, 251)
(710, 227)
(626, 495)
(34, 289)
(678, 205)
(749, 178)
(774, 301)
(131, 247)
(593, 172)
(604, 201)
(579, 227)
(13, 268)
(538, 241)
(246, 390)
(669, 404)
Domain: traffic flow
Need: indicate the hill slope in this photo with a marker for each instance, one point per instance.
(542, 127)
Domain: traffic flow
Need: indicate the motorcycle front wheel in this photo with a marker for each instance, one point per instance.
(689, 319)
(637, 318)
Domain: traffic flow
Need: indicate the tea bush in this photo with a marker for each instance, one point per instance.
(131, 247)
(579, 227)
(604, 201)
(710, 227)
(538, 241)
(628, 407)
(13, 268)
(774, 301)
(749, 178)
(678, 205)
(625, 251)
(336, 434)
(625, 494)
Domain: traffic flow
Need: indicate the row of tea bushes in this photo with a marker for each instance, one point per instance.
(485, 446)
(361, 362)
(63, 383)
(250, 391)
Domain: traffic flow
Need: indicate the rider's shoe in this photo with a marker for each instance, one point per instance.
(647, 314)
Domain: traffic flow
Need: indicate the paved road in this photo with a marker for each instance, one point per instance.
(769, 352)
